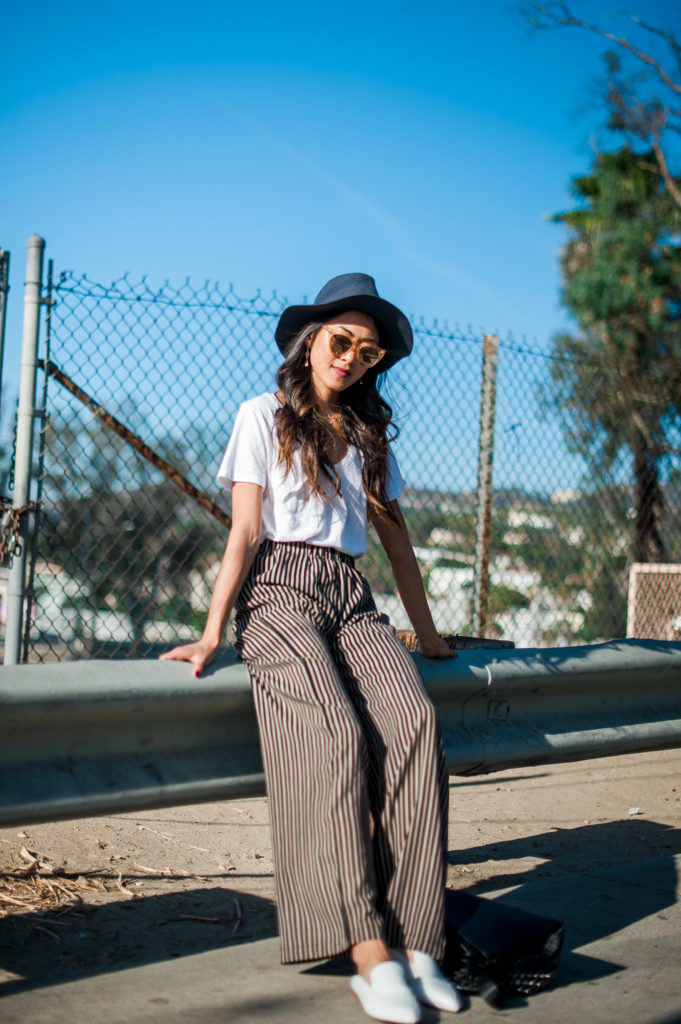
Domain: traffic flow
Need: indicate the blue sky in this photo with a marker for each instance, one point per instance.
(275, 145)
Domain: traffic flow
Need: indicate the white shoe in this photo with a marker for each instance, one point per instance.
(387, 996)
(428, 983)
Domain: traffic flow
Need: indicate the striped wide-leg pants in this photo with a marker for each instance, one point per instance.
(353, 758)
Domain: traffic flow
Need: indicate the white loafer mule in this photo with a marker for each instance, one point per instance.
(387, 997)
(428, 983)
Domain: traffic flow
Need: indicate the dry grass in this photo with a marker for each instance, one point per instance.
(40, 887)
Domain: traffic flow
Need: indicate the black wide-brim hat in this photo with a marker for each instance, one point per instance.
(351, 292)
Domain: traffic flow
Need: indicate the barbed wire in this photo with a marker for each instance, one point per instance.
(85, 288)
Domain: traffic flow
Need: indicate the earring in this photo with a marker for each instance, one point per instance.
(307, 358)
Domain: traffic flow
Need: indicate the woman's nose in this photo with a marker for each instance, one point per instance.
(350, 356)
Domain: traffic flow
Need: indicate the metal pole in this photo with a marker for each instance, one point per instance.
(490, 346)
(4, 290)
(24, 449)
(40, 475)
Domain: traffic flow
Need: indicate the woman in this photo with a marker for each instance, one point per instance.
(353, 759)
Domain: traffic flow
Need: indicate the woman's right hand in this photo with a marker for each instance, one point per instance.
(199, 654)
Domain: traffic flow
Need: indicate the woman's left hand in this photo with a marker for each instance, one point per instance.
(436, 648)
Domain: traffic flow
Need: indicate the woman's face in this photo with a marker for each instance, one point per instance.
(334, 372)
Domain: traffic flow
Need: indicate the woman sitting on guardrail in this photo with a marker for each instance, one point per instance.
(351, 746)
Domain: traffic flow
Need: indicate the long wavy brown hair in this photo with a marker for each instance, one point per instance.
(302, 425)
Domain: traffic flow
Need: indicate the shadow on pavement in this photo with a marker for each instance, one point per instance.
(632, 876)
(51, 947)
(563, 850)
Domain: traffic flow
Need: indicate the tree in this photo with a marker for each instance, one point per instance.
(642, 91)
(128, 538)
(618, 380)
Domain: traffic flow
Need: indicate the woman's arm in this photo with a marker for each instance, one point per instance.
(242, 544)
(395, 539)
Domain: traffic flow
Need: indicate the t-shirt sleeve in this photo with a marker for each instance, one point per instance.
(394, 483)
(247, 456)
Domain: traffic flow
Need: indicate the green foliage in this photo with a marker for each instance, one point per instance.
(376, 567)
(423, 521)
(420, 524)
(642, 84)
(127, 536)
(618, 380)
(502, 599)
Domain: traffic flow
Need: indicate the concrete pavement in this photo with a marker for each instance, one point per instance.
(622, 963)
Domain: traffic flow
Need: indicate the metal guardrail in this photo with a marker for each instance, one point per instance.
(84, 738)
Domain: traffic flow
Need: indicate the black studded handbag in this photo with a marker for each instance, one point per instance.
(498, 951)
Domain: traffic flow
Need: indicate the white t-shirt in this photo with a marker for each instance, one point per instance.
(290, 512)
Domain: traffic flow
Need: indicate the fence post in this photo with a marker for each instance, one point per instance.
(24, 446)
(490, 346)
(4, 290)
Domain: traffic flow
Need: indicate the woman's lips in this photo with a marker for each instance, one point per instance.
(341, 371)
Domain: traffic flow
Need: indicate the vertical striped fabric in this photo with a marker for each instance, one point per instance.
(353, 758)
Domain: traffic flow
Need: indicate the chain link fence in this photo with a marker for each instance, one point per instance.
(125, 559)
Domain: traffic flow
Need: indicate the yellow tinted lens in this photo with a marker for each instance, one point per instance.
(369, 356)
(339, 344)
